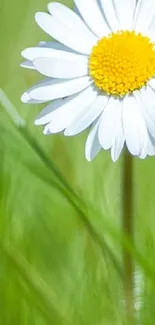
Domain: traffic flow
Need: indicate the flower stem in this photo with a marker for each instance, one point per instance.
(128, 229)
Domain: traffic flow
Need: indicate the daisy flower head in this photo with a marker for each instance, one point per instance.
(99, 72)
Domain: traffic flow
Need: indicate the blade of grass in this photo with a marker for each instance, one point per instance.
(45, 298)
(64, 187)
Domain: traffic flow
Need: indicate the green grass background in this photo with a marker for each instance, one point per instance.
(60, 216)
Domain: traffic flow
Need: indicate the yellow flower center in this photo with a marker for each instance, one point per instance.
(122, 62)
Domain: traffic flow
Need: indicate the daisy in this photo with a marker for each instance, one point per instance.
(100, 72)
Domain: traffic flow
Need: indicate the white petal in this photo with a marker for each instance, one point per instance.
(151, 29)
(77, 11)
(151, 146)
(28, 100)
(144, 14)
(119, 137)
(33, 53)
(144, 152)
(147, 104)
(70, 19)
(88, 117)
(110, 14)
(25, 98)
(61, 67)
(125, 13)
(47, 130)
(28, 65)
(150, 91)
(55, 46)
(134, 126)
(92, 15)
(44, 116)
(93, 146)
(78, 101)
(152, 84)
(118, 145)
(108, 124)
(56, 88)
(70, 108)
(64, 35)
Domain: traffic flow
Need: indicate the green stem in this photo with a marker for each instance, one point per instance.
(128, 225)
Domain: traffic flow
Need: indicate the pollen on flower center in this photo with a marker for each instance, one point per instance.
(122, 62)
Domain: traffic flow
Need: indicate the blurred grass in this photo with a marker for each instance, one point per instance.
(60, 229)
